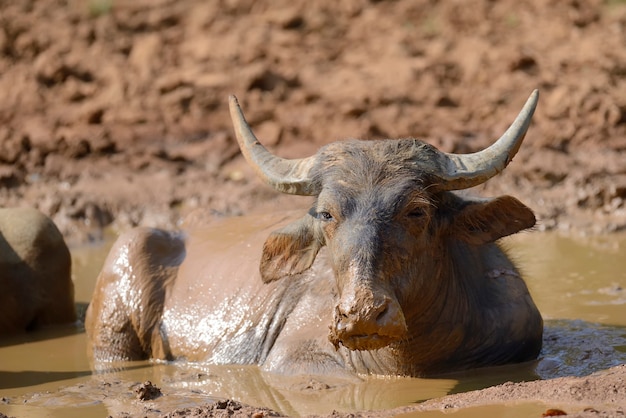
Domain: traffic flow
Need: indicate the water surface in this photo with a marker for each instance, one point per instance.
(579, 286)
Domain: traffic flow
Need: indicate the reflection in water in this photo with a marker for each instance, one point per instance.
(9, 380)
(184, 385)
(44, 356)
(57, 331)
(578, 287)
(572, 279)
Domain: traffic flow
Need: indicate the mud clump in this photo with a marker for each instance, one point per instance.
(147, 391)
(553, 412)
(223, 409)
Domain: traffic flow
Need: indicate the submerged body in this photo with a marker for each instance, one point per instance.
(36, 288)
(389, 272)
(216, 309)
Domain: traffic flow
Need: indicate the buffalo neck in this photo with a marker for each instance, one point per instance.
(449, 322)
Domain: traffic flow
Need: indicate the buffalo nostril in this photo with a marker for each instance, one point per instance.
(383, 312)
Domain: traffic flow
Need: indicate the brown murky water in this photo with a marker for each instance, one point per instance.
(579, 286)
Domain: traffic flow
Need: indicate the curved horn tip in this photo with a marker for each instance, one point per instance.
(232, 100)
(468, 170)
(533, 98)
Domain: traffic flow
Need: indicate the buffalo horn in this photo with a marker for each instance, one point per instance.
(286, 176)
(461, 171)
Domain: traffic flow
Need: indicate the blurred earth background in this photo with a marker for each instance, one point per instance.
(114, 113)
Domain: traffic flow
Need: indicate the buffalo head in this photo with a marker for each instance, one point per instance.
(385, 211)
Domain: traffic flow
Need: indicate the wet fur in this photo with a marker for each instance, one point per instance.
(380, 233)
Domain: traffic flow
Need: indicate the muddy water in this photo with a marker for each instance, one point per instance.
(579, 286)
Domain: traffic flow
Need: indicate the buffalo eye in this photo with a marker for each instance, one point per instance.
(416, 213)
(324, 216)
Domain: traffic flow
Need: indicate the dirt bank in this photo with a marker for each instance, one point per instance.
(115, 113)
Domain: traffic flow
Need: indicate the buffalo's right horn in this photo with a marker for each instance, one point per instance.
(461, 171)
(287, 176)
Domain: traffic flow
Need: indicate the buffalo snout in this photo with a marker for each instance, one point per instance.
(367, 321)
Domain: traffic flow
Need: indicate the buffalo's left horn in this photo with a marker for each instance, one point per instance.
(287, 176)
(461, 171)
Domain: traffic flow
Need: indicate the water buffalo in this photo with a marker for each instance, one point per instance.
(36, 287)
(390, 272)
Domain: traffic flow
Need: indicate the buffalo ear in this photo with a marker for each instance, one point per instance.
(290, 250)
(485, 221)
